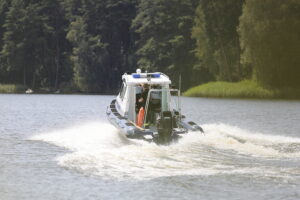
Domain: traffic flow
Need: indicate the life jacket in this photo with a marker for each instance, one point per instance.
(140, 118)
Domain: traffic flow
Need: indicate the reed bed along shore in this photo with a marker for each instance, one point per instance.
(242, 89)
(12, 88)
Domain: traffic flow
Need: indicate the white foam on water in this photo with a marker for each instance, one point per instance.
(84, 137)
(97, 148)
(251, 136)
(245, 142)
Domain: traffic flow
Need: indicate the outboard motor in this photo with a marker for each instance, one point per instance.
(165, 127)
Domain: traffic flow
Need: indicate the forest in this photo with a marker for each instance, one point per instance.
(86, 45)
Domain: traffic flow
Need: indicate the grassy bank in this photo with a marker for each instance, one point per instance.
(11, 88)
(243, 89)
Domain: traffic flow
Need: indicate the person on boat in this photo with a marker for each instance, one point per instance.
(142, 97)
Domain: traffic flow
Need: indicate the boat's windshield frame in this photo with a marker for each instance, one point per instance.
(168, 90)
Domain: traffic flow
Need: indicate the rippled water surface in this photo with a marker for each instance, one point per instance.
(62, 147)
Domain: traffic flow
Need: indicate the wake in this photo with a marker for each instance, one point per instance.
(98, 148)
(251, 143)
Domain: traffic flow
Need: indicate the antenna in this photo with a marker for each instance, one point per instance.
(179, 98)
(179, 82)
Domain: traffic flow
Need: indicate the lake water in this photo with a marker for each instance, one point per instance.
(62, 147)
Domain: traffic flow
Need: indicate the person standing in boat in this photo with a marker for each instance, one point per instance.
(142, 97)
(141, 103)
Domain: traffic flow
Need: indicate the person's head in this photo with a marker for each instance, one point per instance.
(145, 86)
(155, 86)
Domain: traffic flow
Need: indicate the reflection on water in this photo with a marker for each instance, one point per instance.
(62, 147)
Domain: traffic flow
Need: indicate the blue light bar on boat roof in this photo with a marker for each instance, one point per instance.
(154, 75)
(136, 75)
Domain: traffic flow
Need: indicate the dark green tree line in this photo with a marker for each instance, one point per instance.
(86, 45)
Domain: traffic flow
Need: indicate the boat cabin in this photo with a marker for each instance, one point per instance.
(159, 95)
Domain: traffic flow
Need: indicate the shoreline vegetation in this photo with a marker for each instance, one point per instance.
(21, 89)
(246, 89)
(12, 88)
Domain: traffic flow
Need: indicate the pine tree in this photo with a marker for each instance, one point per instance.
(34, 42)
(164, 37)
(218, 47)
(102, 41)
(4, 6)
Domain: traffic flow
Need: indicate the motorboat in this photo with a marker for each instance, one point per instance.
(29, 91)
(159, 118)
